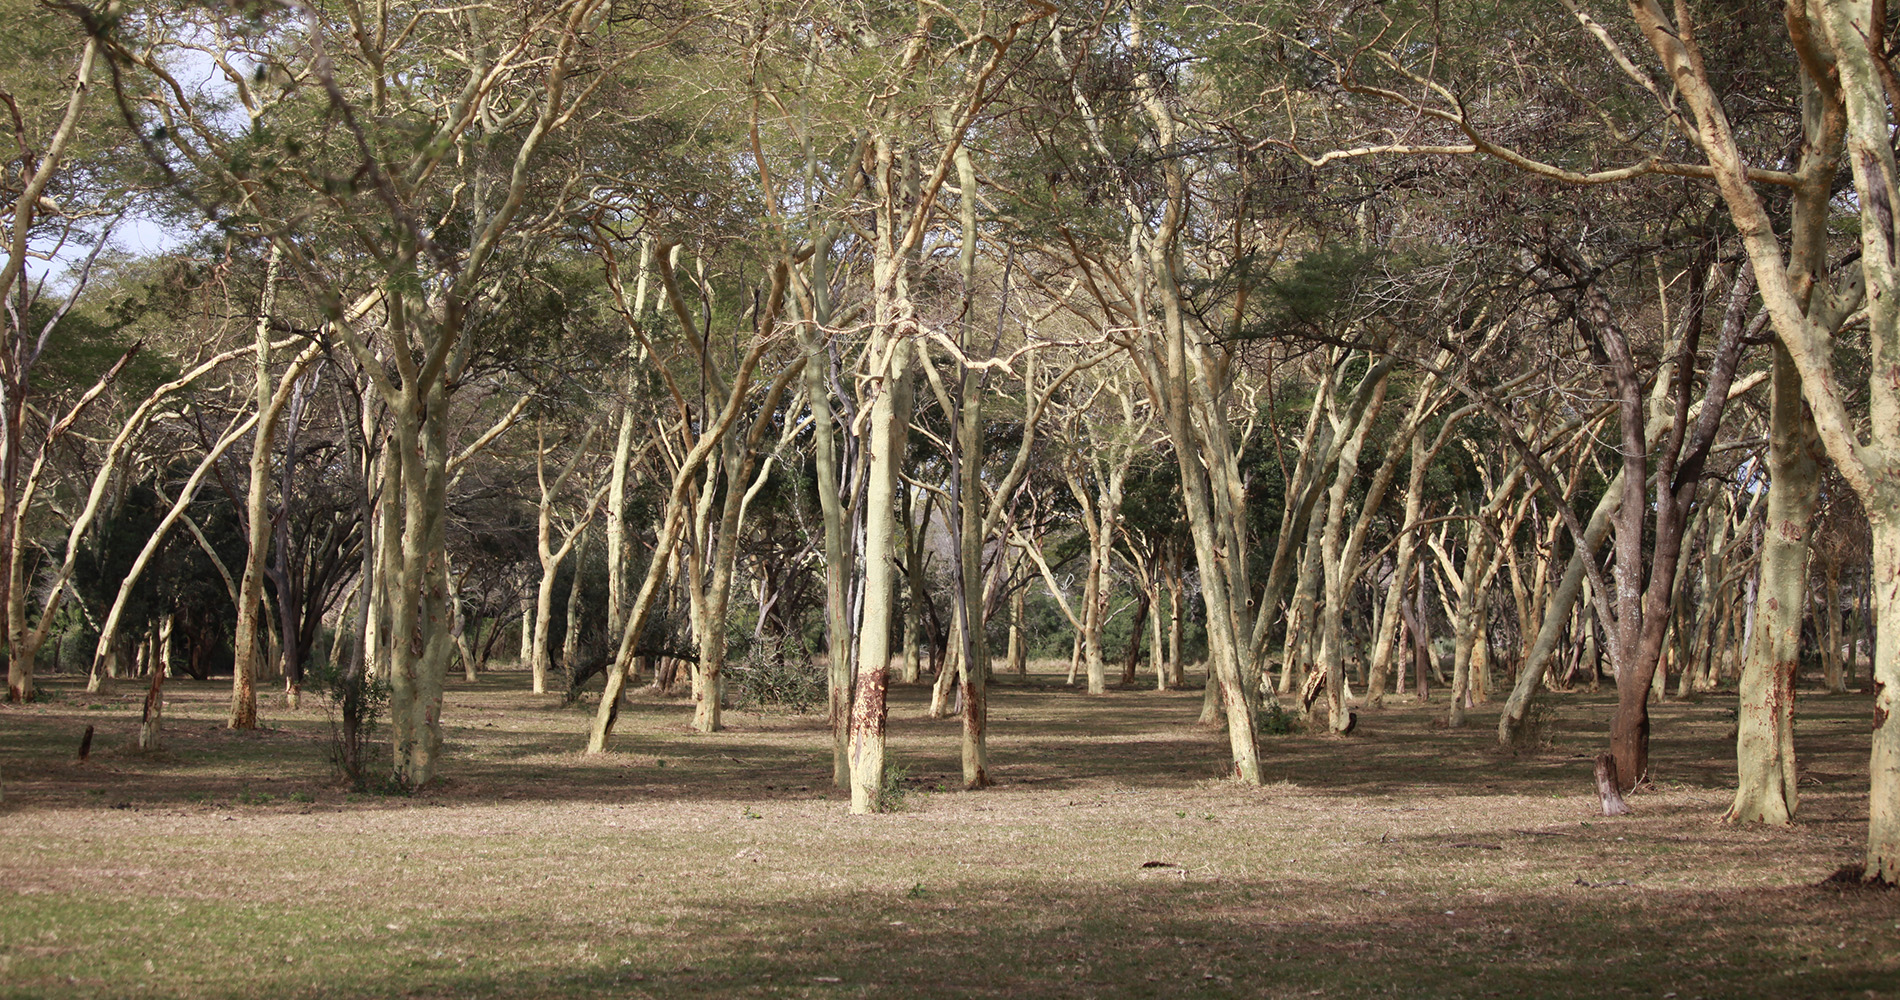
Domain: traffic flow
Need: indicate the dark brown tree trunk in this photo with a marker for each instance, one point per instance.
(1421, 645)
(154, 709)
(1134, 639)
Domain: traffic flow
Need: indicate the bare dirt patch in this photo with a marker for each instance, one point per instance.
(1110, 860)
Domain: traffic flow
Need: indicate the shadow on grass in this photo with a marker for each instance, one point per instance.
(503, 743)
(1157, 934)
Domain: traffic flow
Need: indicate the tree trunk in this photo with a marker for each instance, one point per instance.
(1558, 611)
(1299, 616)
(257, 517)
(379, 641)
(1018, 653)
(1340, 549)
(1395, 612)
(154, 709)
(915, 592)
(525, 656)
(885, 441)
(543, 617)
(1766, 788)
(1609, 790)
(1132, 658)
(975, 658)
(1829, 629)
(1155, 657)
(1423, 660)
(1177, 622)
(623, 451)
(571, 638)
(838, 558)
(420, 644)
(1883, 826)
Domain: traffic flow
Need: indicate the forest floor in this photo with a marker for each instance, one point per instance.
(1110, 860)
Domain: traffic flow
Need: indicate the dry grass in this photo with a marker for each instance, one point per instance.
(1110, 860)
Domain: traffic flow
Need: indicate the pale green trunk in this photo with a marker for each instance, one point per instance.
(1341, 554)
(623, 460)
(257, 518)
(1766, 787)
(543, 625)
(1883, 820)
(886, 438)
(1404, 560)
(420, 644)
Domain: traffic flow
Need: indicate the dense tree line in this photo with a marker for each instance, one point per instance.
(1325, 352)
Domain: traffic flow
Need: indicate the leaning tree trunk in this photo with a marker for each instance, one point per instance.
(660, 564)
(1341, 548)
(1557, 612)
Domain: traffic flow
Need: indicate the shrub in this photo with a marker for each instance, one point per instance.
(355, 704)
(1276, 721)
(768, 675)
(892, 790)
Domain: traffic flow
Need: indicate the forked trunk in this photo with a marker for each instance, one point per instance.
(418, 595)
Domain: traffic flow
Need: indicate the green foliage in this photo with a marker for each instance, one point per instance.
(106, 556)
(593, 645)
(85, 344)
(891, 791)
(1319, 293)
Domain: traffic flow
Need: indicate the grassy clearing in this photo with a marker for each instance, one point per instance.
(1111, 860)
